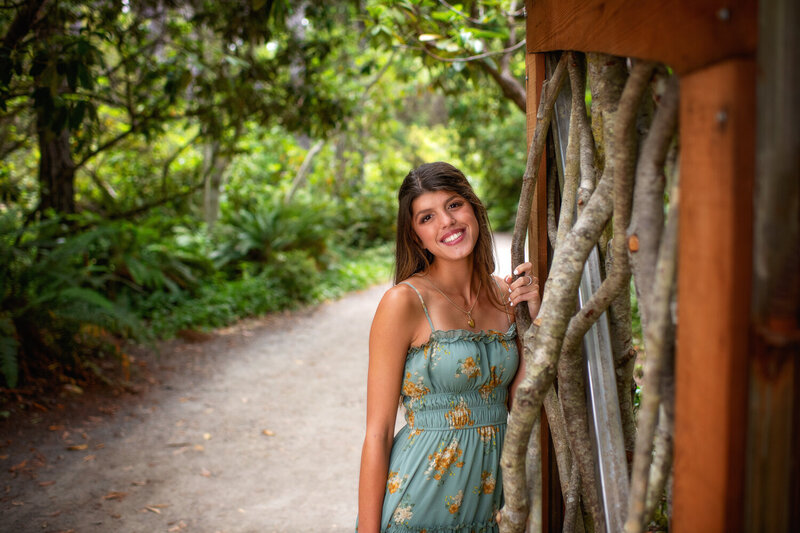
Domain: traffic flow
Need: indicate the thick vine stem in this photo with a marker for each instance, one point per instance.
(622, 151)
(552, 226)
(544, 116)
(542, 357)
(625, 152)
(533, 467)
(657, 340)
(572, 165)
(607, 75)
(515, 511)
(620, 325)
(662, 449)
(558, 431)
(571, 500)
(647, 220)
(588, 152)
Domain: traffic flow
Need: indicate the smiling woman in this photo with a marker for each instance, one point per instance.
(455, 378)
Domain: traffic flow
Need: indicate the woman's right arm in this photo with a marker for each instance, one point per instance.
(389, 339)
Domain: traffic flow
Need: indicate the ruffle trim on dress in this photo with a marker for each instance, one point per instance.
(453, 335)
(486, 527)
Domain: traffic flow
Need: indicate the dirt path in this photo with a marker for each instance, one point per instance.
(257, 430)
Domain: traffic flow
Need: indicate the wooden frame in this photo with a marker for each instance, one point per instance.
(712, 48)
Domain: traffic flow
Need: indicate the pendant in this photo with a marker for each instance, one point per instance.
(470, 322)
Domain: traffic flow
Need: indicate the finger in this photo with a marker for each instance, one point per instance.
(523, 268)
(526, 293)
(523, 281)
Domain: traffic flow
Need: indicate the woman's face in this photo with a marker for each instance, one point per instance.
(445, 223)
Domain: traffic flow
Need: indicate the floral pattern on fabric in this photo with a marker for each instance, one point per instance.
(404, 512)
(459, 416)
(395, 482)
(488, 436)
(454, 390)
(469, 367)
(453, 503)
(487, 485)
(441, 461)
(487, 389)
(415, 390)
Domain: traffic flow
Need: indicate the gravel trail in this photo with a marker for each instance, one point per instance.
(256, 429)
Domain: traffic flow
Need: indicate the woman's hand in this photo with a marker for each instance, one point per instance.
(524, 289)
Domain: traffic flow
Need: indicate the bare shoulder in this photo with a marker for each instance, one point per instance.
(399, 306)
(400, 300)
(396, 320)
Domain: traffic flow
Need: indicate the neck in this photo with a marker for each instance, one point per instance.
(454, 278)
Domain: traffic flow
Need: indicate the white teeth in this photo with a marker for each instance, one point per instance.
(453, 237)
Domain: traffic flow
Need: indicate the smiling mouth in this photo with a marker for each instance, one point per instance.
(453, 237)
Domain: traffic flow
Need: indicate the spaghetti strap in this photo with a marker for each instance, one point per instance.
(503, 299)
(424, 307)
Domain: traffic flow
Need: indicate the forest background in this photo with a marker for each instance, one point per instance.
(173, 166)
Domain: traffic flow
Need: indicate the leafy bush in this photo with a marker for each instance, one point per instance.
(259, 235)
(69, 294)
(51, 291)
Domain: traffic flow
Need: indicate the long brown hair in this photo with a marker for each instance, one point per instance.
(410, 256)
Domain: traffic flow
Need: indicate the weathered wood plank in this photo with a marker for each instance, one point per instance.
(684, 34)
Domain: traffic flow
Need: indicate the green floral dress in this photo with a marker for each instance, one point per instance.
(444, 470)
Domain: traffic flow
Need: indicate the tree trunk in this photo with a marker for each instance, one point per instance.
(56, 168)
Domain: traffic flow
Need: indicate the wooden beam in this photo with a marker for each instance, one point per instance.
(717, 132)
(552, 512)
(537, 234)
(684, 34)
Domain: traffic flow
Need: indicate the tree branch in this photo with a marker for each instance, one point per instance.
(659, 345)
(475, 57)
(647, 220)
(515, 511)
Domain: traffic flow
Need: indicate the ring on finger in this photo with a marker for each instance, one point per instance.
(530, 281)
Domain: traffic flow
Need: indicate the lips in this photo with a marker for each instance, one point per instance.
(453, 237)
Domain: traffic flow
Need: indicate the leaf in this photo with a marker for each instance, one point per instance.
(115, 495)
(268, 433)
(77, 447)
(429, 37)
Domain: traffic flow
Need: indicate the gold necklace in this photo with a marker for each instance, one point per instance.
(470, 321)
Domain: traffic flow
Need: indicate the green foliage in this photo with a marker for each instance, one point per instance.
(52, 293)
(155, 101)
(495, 150)
(257, 235)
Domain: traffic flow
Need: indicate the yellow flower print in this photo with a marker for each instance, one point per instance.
(487, 389)
(453, 503)
(440, 462)
(402, 514)
(414, 390)
(500, 337)
(469, 367)
(395, 482)
(487, 433)
(459, 416)
(488, 482)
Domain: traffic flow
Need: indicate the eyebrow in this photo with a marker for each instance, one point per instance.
(424, 211)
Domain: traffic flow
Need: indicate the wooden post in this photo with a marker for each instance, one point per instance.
(552, 508)
(711, 46)
(717, 132)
